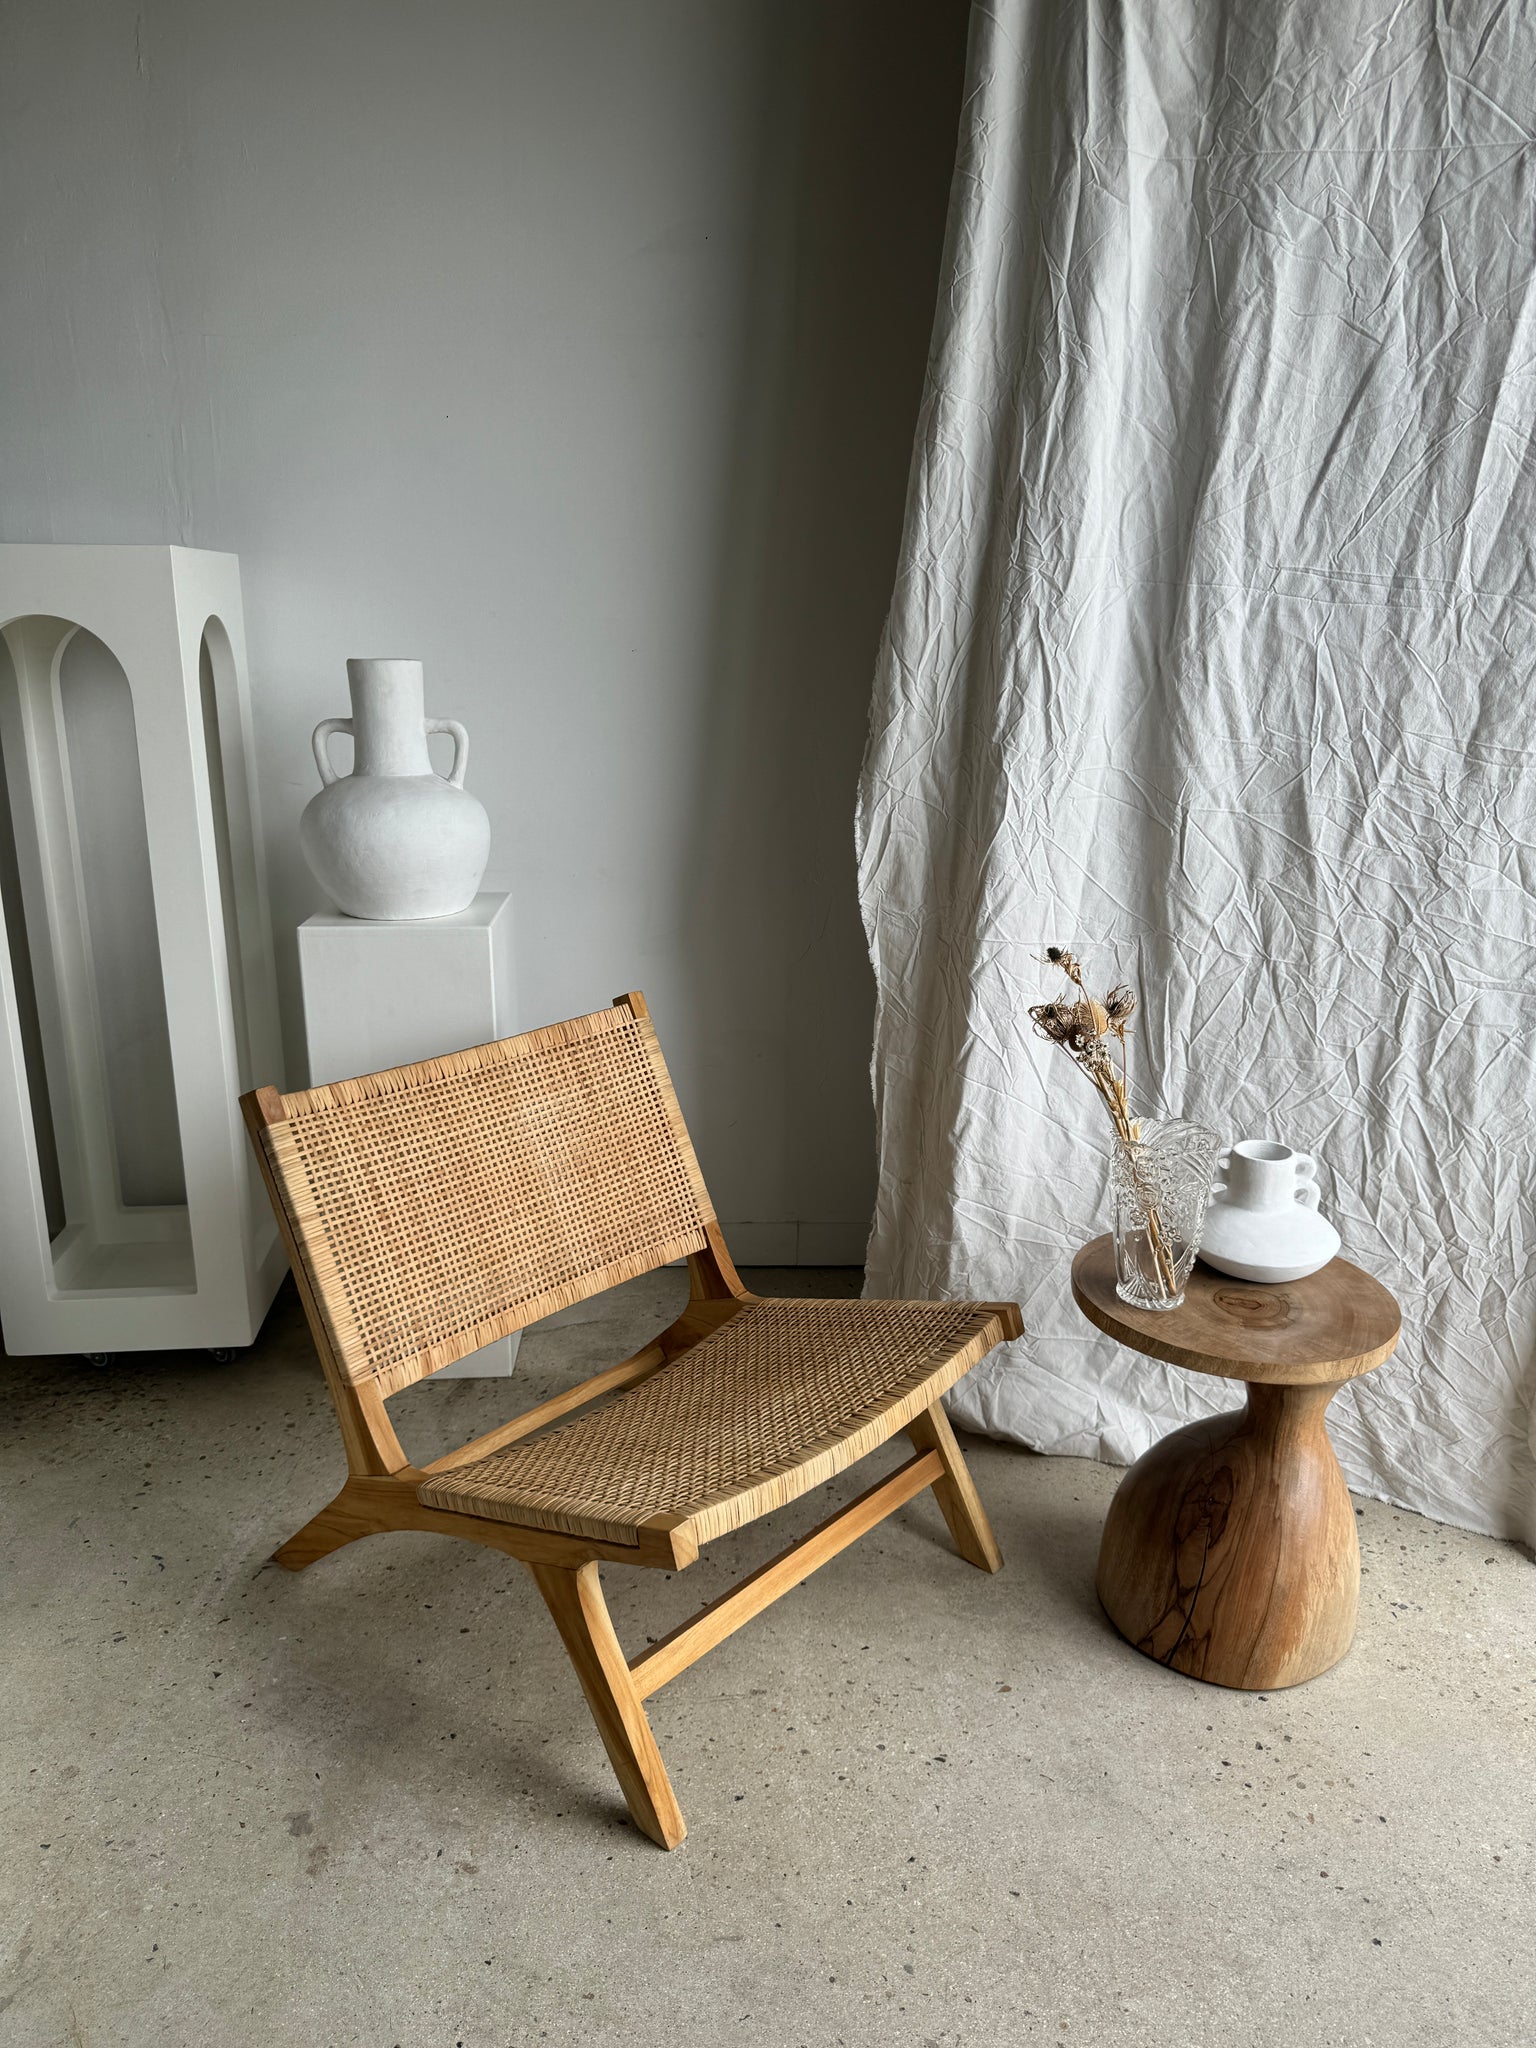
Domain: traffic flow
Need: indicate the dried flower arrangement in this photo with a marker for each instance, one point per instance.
(1092, 1032)
(1086, 1027)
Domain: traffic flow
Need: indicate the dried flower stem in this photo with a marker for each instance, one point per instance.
(1093, 1032)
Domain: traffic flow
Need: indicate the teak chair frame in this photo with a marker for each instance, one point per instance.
(380, 1495)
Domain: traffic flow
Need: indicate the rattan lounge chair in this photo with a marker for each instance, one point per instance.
(430, 1209)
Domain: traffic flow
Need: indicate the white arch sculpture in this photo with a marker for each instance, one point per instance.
(115, 1276)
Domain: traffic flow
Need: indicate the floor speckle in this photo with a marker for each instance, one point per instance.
(366, 1805)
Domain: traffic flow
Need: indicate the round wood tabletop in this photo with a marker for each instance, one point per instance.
(1331, 1326)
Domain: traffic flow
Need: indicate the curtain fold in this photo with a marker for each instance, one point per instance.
(1211, 654)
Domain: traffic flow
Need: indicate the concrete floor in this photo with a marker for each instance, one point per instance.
(366, 1806)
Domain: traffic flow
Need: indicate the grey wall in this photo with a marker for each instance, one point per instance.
(575, 349)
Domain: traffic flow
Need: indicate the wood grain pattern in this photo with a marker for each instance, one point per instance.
(370, 1506)
(661, 1663)
(1329, 1327)
(575, 1601)
(1229, 1551)
(959, 1502)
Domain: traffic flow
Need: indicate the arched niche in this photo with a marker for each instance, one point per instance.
(85, 952)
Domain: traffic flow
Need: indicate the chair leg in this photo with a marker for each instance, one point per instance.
(956, 1491)
(334, 1526)
(575, 1600)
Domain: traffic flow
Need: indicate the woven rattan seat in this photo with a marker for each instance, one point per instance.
(780, 1398)
(431, 1209)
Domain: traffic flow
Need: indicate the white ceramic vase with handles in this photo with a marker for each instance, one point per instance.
(1263, 1223)
(394, 839)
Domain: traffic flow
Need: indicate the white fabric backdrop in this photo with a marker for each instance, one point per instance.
(1211, 654)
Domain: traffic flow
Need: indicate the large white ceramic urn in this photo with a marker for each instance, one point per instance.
(394, 839)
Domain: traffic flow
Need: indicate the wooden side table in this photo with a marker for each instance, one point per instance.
(1229, 1551)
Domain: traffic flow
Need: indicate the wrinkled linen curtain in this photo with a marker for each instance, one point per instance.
(1211, 655)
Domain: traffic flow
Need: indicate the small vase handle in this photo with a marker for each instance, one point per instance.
(322, 746)
(460, 747)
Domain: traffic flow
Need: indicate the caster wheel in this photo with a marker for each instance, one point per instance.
(99, 1357)
(222, 1354)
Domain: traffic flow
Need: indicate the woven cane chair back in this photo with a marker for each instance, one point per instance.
(440, 1206)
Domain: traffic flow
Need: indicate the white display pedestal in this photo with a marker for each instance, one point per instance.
(137, 997)
(380, 994)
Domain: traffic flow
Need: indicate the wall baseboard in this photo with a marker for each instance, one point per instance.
(797, 1244)
(751, 1244)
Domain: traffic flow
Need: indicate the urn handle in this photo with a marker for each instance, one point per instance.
(460, 747)
(322, 746)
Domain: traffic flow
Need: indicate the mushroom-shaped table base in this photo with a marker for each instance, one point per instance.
(1229, 1551)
